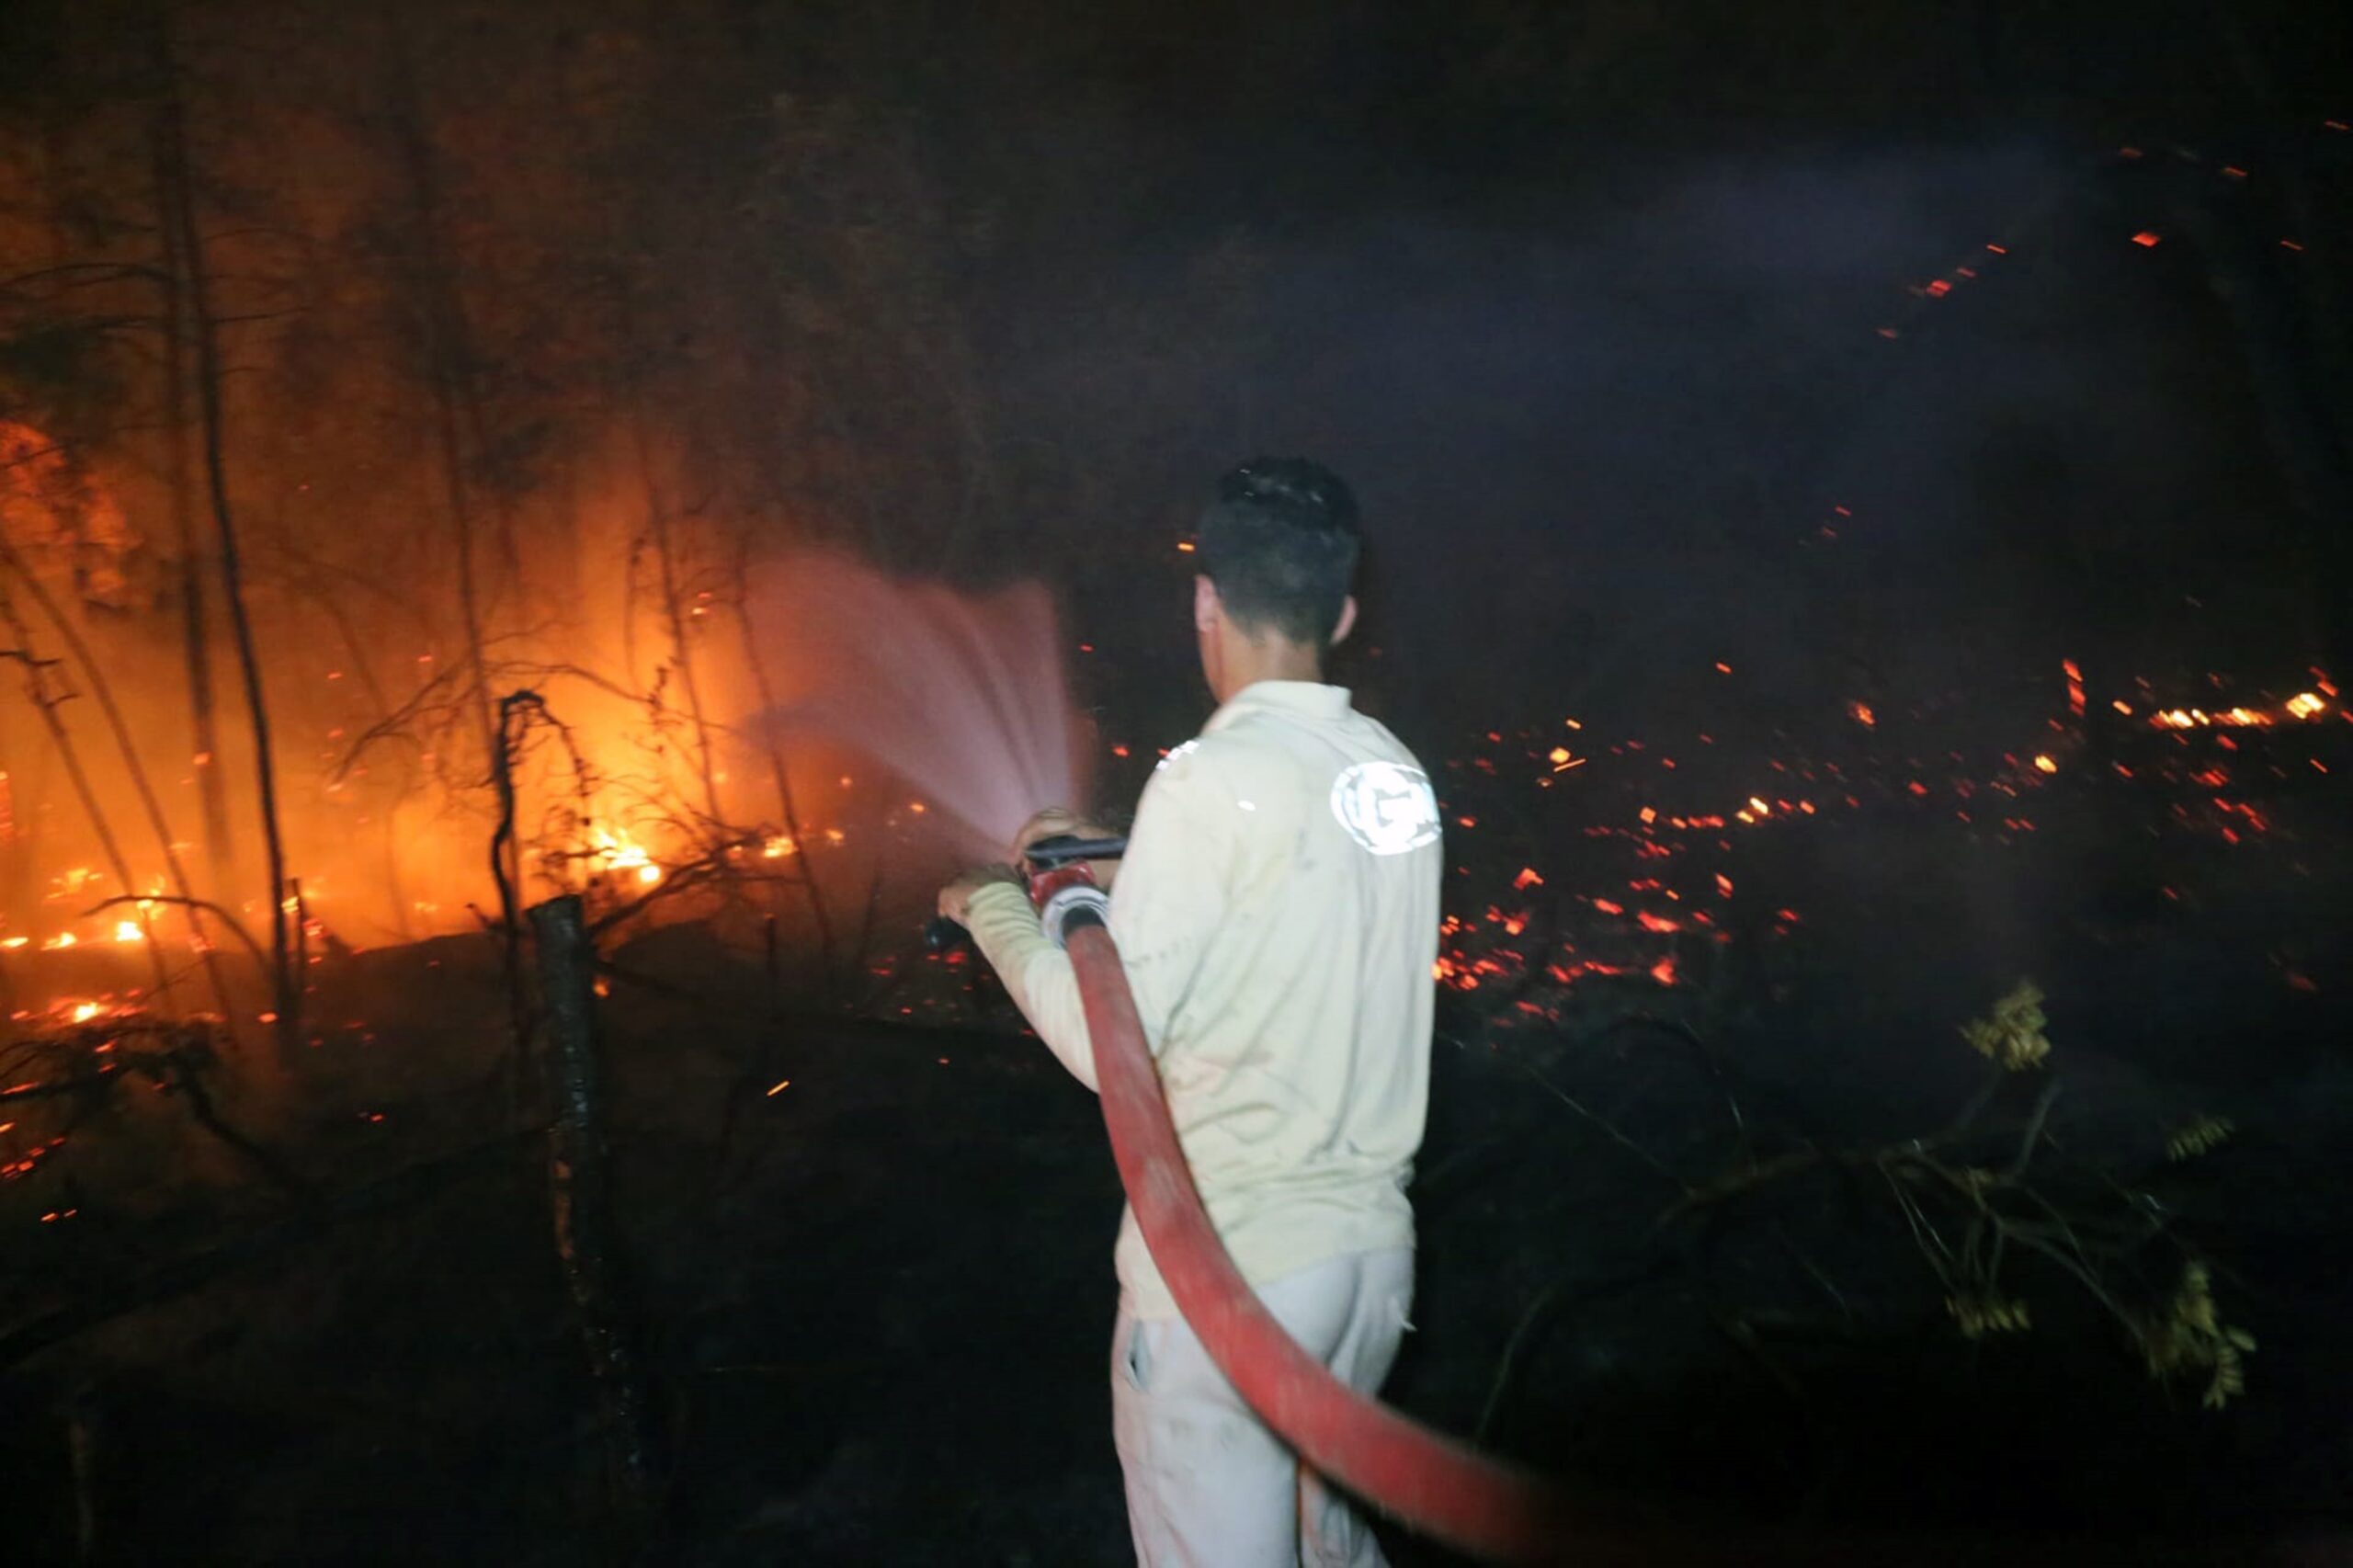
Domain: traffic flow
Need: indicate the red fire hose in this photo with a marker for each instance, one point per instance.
(1429, 1482)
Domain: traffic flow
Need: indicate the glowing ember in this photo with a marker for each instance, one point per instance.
(777, 846)
(128, 931)
(63, 939)
(2305, 704)
(1861, 713)
(2229, 718)
(2044, 764)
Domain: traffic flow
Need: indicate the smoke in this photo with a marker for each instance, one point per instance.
(1599, 433)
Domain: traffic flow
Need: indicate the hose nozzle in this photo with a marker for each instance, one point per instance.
(1064, 848)
(1060, 884)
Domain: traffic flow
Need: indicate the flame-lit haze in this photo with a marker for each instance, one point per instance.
(1845, 445)
(962, 697)
(906, 713)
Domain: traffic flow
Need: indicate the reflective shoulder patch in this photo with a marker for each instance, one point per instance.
(1387, 807)
(1178, 755)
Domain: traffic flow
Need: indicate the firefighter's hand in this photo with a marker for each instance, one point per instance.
(1053, 822)
(957, 896)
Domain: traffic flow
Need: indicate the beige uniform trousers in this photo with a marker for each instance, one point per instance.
(1208, 1486)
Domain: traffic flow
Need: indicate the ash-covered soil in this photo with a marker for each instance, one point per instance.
(874, 1303)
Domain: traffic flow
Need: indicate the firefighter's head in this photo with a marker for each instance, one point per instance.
(1277, 551)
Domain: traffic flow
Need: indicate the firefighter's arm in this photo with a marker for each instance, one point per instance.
(1171, 896)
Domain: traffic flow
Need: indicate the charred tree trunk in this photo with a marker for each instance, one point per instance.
(448, 369)
(2290, 308)
(586, 1236)
(675, 617)
(516, 710)
(818, 914)
(196, 649)
(178, 185)
(46, 703)
(133, 770)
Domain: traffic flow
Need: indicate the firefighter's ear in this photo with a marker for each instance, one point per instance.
(1347, 621)
(1207, 607)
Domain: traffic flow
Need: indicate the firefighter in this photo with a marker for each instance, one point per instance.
(1276, 913)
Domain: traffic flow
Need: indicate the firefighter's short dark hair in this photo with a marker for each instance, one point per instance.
(1280, 543)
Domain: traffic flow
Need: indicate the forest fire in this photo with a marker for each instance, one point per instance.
(534, 539)
(639, 778)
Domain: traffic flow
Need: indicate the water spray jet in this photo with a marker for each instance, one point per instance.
(962, 695)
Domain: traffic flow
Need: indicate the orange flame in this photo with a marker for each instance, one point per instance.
(618, 852)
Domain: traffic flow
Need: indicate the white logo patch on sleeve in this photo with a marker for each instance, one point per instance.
(1179, 754)
(1387, 807)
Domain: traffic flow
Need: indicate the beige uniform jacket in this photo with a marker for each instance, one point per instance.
(1277, 913)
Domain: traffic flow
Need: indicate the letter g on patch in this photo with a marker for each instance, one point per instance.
(1387, 807)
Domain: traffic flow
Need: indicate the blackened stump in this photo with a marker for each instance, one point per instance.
(580, 1195)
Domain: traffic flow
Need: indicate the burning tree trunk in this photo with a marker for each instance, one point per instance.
(178, 187)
